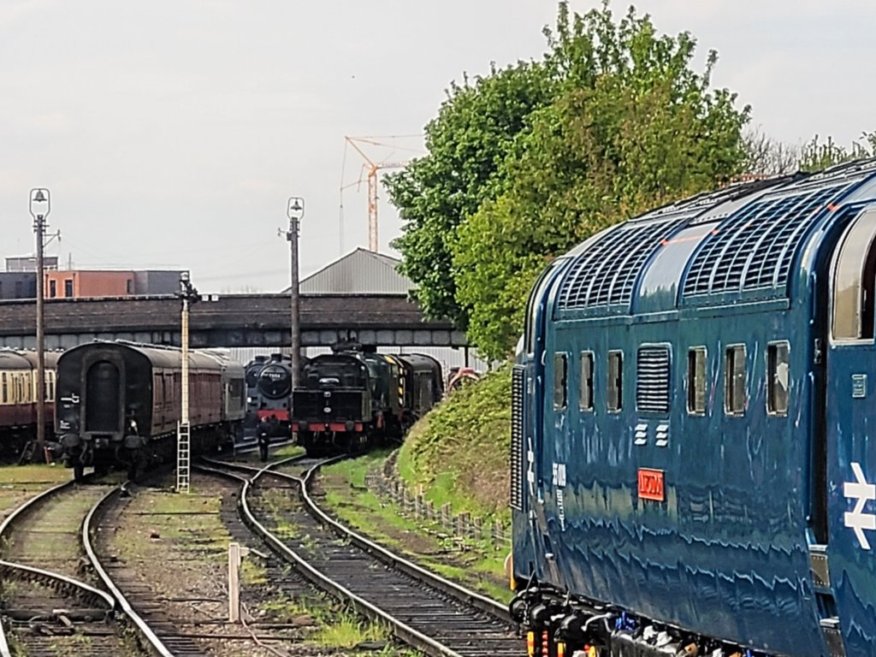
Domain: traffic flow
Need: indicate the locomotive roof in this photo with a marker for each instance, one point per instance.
(736, 244)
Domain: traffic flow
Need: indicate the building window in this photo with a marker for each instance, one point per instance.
(696, 380)
(734, 380)
(652, 379)
(53, 291)
(561, 365)
(68, 288)
(585, 401)
(778, 379)
(615, 389)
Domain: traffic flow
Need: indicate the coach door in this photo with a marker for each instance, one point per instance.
(102, 397)
(849, 453)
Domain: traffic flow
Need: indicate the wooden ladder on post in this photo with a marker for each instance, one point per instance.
(183, 457)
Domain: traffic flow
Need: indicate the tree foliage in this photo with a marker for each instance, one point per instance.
(633, 126)
(818, 154)
(531, 159)
(467, 142)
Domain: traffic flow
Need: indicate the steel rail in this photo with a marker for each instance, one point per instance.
(46, 576)
(402, 630)
(457, 591)
(472, 598)
(121, 600)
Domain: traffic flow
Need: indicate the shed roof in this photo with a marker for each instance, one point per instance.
(359, 272)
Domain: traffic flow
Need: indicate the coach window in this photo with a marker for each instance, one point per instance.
(854, 278)
(5, 388)
(777, 378)
(615, 391)
(734, 380)
(561, 366)
(585, 401)
(696, 381)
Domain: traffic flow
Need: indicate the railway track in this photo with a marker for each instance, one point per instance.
(132, 595)
(51, 607)
(59, 598)
(430, 613)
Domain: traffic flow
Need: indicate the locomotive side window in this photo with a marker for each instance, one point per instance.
(561, 366)
(614, 396)
(696, 381)
(734, 380)
(585, 401)
(778, 379)
(854, 281)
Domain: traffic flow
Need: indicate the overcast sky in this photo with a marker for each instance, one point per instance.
(171, 133)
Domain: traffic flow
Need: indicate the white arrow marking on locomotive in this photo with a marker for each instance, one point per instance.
(863, 492)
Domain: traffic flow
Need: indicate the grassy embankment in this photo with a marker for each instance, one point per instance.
(459, 452)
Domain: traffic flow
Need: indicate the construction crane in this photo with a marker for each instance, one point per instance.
(372, 167)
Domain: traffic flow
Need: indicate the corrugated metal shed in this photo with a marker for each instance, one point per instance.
(359, 272)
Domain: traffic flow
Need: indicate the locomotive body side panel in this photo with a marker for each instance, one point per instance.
(691, 447)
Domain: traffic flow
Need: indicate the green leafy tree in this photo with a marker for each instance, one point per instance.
(467, 143)
(632, 126)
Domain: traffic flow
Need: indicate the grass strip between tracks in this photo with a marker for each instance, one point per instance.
(472, 563)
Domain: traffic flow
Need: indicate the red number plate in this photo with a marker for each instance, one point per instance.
(651, 484)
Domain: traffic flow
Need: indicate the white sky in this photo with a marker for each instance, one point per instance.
(171, 133)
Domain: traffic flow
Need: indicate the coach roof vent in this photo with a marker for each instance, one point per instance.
(605, 274)
(753, 249)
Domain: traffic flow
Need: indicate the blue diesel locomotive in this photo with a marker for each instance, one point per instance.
(692, 466)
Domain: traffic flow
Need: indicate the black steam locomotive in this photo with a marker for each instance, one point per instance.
(268, 395)
(355, 396)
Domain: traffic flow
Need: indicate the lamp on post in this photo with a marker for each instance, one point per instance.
(40, 205)
(295, 211)
(189, 295)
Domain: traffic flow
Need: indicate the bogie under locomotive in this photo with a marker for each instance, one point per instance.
(353, 397)
(116, 401)
(692, 465)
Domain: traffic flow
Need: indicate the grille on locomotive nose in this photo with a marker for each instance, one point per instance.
(518, 460)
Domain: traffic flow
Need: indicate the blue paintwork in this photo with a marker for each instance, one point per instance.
(727, 554)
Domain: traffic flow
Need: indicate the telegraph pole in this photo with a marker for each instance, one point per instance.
(39, 210)
(189, 295)
(295, 211)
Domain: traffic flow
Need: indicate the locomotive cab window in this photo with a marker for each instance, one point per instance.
(614, 391)
(778, 379)
(734, 380)
(696, 381)
(854, 280)
(561, 367)
(585, 401)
